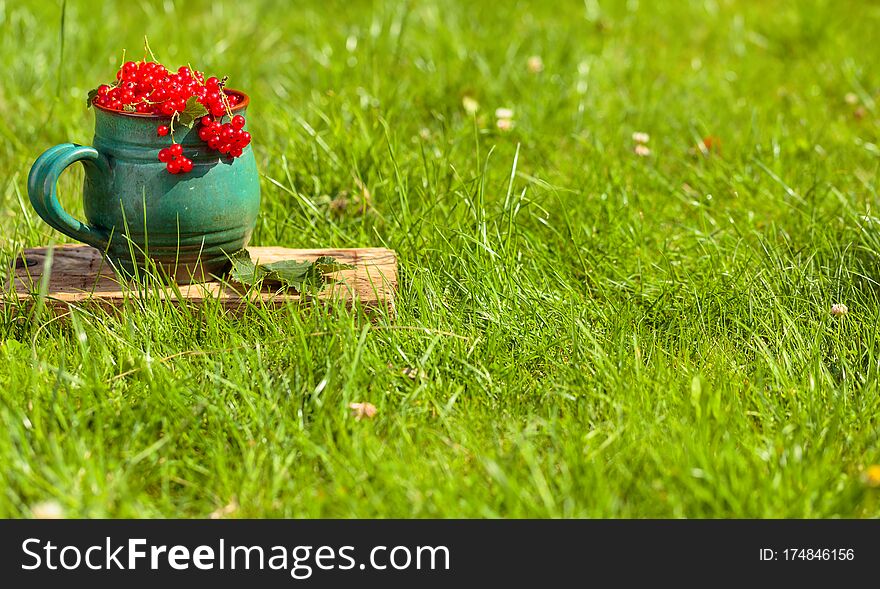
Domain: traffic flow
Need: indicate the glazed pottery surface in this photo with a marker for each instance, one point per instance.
(141, 216)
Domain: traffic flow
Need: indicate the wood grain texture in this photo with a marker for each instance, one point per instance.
(79, 276)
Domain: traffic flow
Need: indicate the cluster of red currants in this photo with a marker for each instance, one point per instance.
(148, 87)
(229, 138)
(174, 160)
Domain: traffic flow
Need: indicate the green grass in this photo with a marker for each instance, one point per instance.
(592, 333)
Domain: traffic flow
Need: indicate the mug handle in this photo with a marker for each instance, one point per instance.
(43, 180)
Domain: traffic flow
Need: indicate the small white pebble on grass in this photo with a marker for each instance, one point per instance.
(48, 510)
(640, 137)
(839, 309)
(470, 105)
(362, 410)
(535, 64)
(642, 150)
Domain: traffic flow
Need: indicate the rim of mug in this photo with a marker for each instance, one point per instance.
(244, 100)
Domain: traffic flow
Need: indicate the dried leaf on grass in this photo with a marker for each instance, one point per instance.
(362, 410)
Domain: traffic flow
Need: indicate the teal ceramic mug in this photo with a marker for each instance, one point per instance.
(141, 217)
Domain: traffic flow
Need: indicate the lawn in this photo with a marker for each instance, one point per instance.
(582, 330)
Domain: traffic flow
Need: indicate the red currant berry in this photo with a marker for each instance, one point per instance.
(164, 155)
(173, 167)
(176, 149)
(186, 165)
(129, 69)
(237, 122)
(162, 130)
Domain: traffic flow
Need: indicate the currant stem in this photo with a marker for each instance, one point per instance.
(147, 49)
(226, 103)
(192, 73)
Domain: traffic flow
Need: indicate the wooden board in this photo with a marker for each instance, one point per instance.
(80, 276)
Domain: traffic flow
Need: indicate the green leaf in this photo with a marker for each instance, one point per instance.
(93, 93)
(193, 110)
(244, 270)
(328, 265)
(290, 271)
(300, 275)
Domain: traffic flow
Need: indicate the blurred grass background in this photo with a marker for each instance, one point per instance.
(582, 331)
